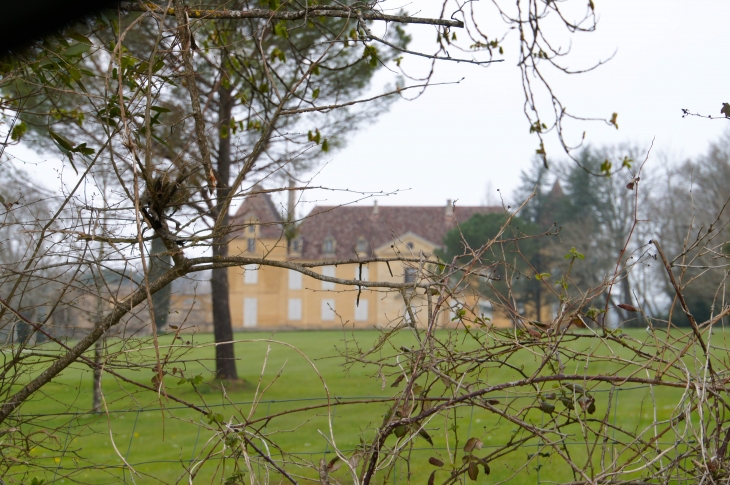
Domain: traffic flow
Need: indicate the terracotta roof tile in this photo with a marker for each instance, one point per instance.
(346, 224)
(263, 209)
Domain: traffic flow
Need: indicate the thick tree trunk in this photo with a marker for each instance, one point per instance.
(159, 263)
(225, 360)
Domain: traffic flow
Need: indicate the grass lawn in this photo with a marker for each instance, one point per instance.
(162, 442)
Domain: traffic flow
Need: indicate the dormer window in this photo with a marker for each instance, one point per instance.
(362, 245)
(295, 246)
(409, 245)
(328, 246)
(251, 228)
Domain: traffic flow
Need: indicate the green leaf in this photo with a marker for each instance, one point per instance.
(542, 276)
(574, 254)
(315, 94)
(546, 407)
(79, 38)
(159, 109)
(423, 434)
(18, 131)
(606, 167)
(400, 431)
(325, 145)
(62, 142)
(76, 50)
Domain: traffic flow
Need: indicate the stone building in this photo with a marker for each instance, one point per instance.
(270, 297)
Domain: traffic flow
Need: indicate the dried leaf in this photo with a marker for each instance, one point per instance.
(473, 471)
(493, 402)
(578, 322)
(628, 308)
(550, 395)
(432, 478)
(397, 381)
(725, 110)
(586, 401)
(630, 186)
(333, 466)
(435, 461)
(472, 444)
(484, 463)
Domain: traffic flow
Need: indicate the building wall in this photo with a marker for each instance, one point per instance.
(328, 305)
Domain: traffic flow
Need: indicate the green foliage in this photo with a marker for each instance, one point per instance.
(574, 254)
(18, 131)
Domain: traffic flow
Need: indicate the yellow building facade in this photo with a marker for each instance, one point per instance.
(277, 298)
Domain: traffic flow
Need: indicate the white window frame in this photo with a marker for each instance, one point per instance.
(251, 274)
(330, 271)
(328, 309)
(365, 272)
(250, 312)
(295, 280)
(486, 309)
(294, 310)
(361, 311)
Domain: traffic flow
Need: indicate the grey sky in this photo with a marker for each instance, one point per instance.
(450, 142)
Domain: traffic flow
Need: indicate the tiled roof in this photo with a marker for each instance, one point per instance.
(263, 209)
(347, 224)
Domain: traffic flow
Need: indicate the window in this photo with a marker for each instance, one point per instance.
(295, 309)
(251, 244)
(365, 276)
(296, 245)
(410, 275)
(361, 246)
(361, 311)
(328, 271)
(521, 309)
(250, 310)
(295, 280)
(328, 309)
(409, 245)
(485, 309)
(250, 274)
(328, 246)
(252, 229)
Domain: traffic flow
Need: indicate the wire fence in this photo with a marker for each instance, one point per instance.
(140, 447)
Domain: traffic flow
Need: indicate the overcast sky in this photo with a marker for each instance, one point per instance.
(452, 141)
(455, 139)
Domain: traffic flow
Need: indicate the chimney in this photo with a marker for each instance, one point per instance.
(375, 208)
(449, 214)
(292, 201)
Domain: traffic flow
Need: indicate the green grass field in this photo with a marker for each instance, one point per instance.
(165, 439)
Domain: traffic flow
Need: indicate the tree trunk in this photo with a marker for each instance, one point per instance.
(159, 263)
(225, 360)
(98, 349)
